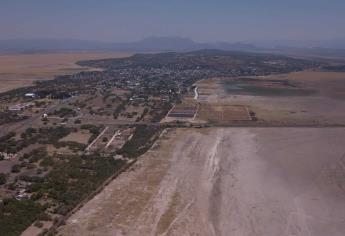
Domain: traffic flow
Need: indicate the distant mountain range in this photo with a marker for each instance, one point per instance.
(147, 44)
(152, 44)
(338, 43)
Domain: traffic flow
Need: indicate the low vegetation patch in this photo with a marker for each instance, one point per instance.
(16, 216)
(142, 139)
(65, 112)
(9, 117)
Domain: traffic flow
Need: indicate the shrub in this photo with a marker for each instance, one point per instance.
(38, 224)
(15, 169)
(3, 178)
(77, 121)
(16, 215)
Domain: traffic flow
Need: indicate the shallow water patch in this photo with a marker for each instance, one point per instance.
(256, 87)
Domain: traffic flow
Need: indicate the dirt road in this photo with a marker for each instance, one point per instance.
(234, 181)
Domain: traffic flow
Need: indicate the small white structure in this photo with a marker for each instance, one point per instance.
(30, 95)
(15, 108)
(7, 156)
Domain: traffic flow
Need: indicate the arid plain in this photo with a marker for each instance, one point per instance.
(286, 177)
(233, 181)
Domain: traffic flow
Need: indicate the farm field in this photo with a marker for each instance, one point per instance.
(18, 70)
(183, 111)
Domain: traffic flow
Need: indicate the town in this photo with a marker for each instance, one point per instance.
(62, 139)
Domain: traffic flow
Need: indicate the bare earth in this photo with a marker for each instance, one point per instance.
(18, 70)
(226, 181)
(79, 137)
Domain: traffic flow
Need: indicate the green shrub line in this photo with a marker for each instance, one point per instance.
(154, 136)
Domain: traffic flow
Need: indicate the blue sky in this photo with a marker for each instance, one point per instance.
(201, 20)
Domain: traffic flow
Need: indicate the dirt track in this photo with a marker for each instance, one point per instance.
(235, 181)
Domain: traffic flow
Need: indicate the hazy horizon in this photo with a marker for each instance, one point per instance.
(201, 21)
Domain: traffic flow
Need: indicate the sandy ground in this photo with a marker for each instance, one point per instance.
(235, 181)
(18, 70)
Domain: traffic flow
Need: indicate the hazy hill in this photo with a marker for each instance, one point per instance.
(326, 48)
(147, 44)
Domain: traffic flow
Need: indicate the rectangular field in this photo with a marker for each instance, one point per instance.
(223, 113)
(183, 111)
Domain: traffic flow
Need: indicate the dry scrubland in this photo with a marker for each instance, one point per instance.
(18, 70)
(208, 181)
(236, 181)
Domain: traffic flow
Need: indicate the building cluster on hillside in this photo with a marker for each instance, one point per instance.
(21, 106)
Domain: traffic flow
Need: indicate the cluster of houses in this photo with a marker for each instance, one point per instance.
(21, 193)
(7, 156)
(21, 106)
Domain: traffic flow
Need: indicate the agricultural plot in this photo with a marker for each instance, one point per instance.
(118, 139)
(183, 111)
(223, 113)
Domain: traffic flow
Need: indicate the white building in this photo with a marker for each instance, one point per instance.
(30, 95)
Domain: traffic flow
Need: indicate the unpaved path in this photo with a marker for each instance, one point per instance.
(235, 181)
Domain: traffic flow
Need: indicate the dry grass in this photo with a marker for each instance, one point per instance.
(168, 216)
(330, 84)
(18, 70)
